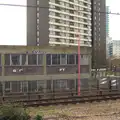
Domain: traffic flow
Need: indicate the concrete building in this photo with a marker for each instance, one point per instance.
(57, 22)
(114, 48)
(108, 41)
(41, 69)
(98, 33)
(107, 21)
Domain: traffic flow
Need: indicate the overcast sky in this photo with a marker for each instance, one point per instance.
(13, 22)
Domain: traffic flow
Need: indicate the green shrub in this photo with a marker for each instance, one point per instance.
(14, 112)
(38, 117)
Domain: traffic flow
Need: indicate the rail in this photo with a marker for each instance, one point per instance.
(68, 99)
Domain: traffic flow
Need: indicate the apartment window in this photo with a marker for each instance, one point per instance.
(70, 59)
(32, 59)
(38, 40)
(38, 9)
(37, 21)
(37, 33)
(38, 2)
(38, 27)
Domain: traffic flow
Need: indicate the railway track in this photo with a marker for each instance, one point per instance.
(68, 100)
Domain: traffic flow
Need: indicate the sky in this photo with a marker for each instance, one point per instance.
(114, 19)
(13, 22)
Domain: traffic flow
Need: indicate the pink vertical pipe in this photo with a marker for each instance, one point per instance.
(78, 64)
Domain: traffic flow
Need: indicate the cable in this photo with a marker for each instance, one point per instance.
(33, 6)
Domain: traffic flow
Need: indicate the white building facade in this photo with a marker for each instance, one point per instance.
(73, 17)
(114, 48)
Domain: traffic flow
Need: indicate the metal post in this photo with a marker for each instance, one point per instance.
(78, 64)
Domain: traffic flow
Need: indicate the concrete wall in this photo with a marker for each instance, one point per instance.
(42, 72)
(32, 23)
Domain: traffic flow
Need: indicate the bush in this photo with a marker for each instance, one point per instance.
(13, 112)
(38, 117)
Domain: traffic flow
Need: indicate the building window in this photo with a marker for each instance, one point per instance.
(15, 59)
(32, 59)
(23, 59)
(7, 59)
(32, 86)
(55, 59)
(7, 87)
(40, 59)
(24, 85)
(60, 84)
(16, 86)
(70, 59)
(48, 59)
(63, 59)
(40, 85)
(49, 83)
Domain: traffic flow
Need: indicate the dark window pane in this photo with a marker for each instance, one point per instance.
(71, 84)
(15, 59)
(24, 86)
(76, 59)
(23, 59)
(48, 59)
(40, 59)
(40, 85)
(58, 59)
(32, 59)
(70, 59)
(1, 88)
(82, 56)
(16, 86)
(7, 59)
(32, 86)
(60, 84)
(63, 60)
(55, 59)
(7, 87)
(49, 84)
